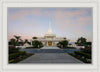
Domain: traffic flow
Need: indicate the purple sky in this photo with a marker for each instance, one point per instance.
(68, 22)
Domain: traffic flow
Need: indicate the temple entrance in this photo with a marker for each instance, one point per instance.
(49, 43)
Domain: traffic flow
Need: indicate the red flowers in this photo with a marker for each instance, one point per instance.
(11, 46)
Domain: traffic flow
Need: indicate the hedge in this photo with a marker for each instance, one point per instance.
(83, 54)
(15, 55)
(13, 50)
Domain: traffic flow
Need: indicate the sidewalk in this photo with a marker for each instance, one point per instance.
(51, 58)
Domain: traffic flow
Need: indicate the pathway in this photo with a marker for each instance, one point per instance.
(50, 47)
(50, 55)
(49, 50)
(51, 58)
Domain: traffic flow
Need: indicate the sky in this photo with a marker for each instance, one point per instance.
(71, 23)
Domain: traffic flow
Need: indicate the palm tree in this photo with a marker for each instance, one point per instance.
(81, 41)
(12, 42)
(37, 44)
(26, 41)
(17, 38)
(21, 42)
(63, 44)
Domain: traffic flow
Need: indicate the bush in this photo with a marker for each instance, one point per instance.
(13, 49)
(11, 46)
(37, 44)
(83, 54)
(62, 44)
(15, 55)
(87, 49)
(22, 53)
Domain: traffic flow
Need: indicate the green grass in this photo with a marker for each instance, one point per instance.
(79, 57)
(17, 57)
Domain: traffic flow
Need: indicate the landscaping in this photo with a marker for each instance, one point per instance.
(37, 44)
(83, 55)
(69, 48)
(15, 55)
(32, 48)
(64, 45)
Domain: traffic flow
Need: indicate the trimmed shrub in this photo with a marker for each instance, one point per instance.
(87, 49)
(13, 49)
(83, 54)
(15, 55)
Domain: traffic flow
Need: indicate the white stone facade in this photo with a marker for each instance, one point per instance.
(50, 39)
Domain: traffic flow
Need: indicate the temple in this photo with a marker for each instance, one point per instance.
(50, 39)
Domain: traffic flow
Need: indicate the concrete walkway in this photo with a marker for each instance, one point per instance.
(51, 58)
(50, 47)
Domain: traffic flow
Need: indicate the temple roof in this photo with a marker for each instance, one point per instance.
(50, 35)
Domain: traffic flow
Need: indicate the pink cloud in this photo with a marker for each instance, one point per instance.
(85, 19)
(76, 12)
(36, 12)
(29, 23)
(25, 35)
(18, 15)
(63, 19)
(22, 13)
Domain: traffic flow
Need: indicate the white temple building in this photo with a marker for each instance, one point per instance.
(50, 39)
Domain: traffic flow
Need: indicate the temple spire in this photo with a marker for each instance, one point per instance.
(49, 31)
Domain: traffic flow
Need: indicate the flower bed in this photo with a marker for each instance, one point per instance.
(16, 57)
(86, 55)
(13, 49)
(86, 58)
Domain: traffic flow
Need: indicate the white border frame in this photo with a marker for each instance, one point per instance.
(49, 66)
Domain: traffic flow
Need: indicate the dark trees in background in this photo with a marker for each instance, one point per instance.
(81, 41)
(26, 41)
(12, 42)
(37, 44)
(63, 44)
(88, 45)
(21, 42)
(13, 49)
(16, 42)
(17, 39)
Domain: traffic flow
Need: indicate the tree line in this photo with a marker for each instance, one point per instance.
(17, 41)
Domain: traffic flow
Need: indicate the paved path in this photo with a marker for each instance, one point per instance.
(49, 50)
(50, 47)
(51, 58)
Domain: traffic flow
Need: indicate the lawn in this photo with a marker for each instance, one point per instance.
(19, 56)
(15, 55)
(84, 55)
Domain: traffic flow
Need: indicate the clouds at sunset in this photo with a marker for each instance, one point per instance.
(69, 22)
